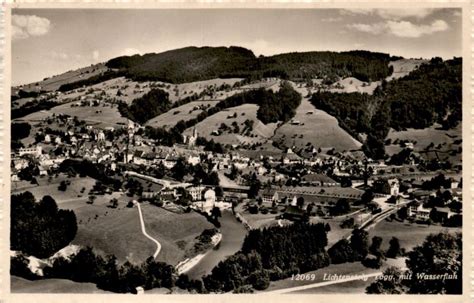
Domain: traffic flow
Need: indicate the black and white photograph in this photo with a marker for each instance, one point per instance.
(231, 151)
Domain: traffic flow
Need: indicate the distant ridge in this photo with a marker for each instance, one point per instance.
(202, 63)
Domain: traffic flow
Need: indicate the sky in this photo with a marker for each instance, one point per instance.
(47, 42)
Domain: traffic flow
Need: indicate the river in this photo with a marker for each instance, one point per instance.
(233, 234)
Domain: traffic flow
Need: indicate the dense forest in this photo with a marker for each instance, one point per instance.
(271, 254)
(428, 95)
(150, 105)
(39, 228)
(363, 65)
(196, 64)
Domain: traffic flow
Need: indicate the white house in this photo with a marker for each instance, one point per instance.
(35, 151)
(196, 192)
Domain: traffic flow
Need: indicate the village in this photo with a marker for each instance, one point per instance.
(286, 186)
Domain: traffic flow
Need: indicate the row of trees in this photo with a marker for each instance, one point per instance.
(32, 107)
(105, 272)
(107, 75)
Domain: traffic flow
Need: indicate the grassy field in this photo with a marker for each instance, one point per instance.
(261, 132)
(354, 85)
(403, 67)
(54, 82)
(45, 187)
(184, 112)
(410, 235)
(175, 232)
(319, 129)
(117, 231)
(426, 136)
(20, 285)
(100, 116)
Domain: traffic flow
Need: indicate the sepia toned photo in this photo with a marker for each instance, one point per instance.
(236, 151)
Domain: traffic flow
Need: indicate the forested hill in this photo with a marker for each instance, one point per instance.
(195, 64)
(363, 65)
(428, 95)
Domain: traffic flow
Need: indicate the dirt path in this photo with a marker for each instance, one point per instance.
(142, 223)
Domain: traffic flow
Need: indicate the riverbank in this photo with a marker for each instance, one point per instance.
(187, 264)
(233, 235)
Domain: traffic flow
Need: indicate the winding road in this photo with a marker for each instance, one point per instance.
(142, 223)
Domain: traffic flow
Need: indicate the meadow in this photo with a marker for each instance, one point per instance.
(184, 112)
(260, 133)
(117, 230)
(409, 234)
(315, 127)
(99, 116)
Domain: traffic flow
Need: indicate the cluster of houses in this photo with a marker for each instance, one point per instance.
(419, 206)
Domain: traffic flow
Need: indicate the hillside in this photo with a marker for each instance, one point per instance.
(212, 126)
(314, 127)
(403, 67)
(430, 94)
(194, 64)
(53, 83)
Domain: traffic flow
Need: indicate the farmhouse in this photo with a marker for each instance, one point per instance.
(269, 195)
(417, 210)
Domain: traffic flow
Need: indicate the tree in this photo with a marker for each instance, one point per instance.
(341, 252)
(114, 203)
(219, 191)
(91, 200)
(384, 286)
(439, 253)
(62, 186)
(255, 186)
(180, 170)
(394, 249)
(367, 197)
(300, 202)
(375, 247)
(402, 213)
(309, 208)
(360, 243)
(20, 131)
(216, 213)
(348, 223)
(342, 207)
(40, 229)
(260, 280)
